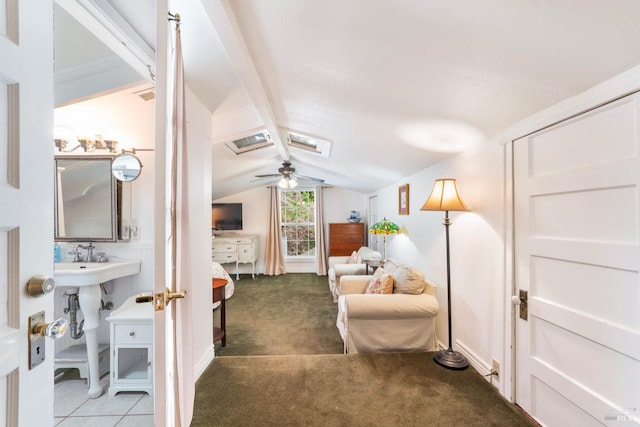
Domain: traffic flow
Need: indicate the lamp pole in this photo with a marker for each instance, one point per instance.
(449, 358)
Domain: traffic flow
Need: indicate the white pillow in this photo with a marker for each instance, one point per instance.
(408, 280)
(354, 258)
(380, 283)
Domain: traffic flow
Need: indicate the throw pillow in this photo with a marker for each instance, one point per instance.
(354, 258)
(408, 280)
(380, 283)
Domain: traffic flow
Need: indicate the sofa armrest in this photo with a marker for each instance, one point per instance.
(430, 287)
(354, 284)
(391, 306)
(349, 269)
(333, 260)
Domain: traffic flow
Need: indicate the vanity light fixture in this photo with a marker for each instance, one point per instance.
(89, 145)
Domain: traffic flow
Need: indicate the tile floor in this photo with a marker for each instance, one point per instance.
(73, 407)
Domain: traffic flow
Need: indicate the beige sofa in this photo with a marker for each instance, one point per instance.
(397, 322)
(338, 267)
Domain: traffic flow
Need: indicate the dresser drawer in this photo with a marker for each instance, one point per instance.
(243, 241)
(133, 333)
(224, 248)
(223, 257)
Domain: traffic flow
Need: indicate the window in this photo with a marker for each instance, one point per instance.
(298, 222)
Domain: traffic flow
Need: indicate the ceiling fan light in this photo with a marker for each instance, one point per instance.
(287, 183)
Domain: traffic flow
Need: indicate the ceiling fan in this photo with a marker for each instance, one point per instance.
(289, 176)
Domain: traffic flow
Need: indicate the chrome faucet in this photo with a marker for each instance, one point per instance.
(89, 249)
(76, 254)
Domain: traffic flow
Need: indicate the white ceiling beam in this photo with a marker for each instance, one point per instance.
(103, 21)
(223, 19)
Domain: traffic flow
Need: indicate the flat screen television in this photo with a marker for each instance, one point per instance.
(226, 216)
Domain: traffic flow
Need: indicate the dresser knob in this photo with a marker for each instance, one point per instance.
(131, 333)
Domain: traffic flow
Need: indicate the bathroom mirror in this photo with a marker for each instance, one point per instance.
(126, 167)
(85, 203)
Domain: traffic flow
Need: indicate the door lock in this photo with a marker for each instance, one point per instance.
(40, 285)
(160, 299)
(522, 299)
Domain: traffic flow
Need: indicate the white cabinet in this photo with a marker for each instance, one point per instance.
(238, 249)
(131, 329)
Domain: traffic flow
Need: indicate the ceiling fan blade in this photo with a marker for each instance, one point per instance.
(261, 179)
(308, 177)
(269, 175)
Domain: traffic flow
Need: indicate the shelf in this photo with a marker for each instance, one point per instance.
(139, 371)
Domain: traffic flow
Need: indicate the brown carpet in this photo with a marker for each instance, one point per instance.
(313, 389)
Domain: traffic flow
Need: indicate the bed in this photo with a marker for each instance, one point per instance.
(219, 272)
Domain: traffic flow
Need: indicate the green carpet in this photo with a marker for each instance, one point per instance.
(279, 315)
(250, 384)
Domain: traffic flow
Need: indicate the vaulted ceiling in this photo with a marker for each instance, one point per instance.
(394, 86)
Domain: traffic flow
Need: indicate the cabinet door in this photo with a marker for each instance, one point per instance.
(245, 252)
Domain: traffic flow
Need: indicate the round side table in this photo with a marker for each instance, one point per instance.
(217, 286)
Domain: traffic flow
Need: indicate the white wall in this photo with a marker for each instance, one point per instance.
(131, 120)
(338, 203)
(476, 245)
(481, 271)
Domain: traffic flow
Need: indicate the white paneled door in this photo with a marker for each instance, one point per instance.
(26, 205)
(577, 223)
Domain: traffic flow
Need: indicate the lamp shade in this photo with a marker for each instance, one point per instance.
(384, 227)
(444, 197)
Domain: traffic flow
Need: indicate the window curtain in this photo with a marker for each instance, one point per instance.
(321, 259)
(274, 258)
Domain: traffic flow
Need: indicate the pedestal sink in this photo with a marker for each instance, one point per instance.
(87, 276)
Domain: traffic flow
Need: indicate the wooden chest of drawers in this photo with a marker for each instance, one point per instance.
(344, 238)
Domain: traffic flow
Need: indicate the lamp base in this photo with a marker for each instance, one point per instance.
(450, 359)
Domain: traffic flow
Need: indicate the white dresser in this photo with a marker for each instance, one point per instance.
(131, 328)
(238, 249)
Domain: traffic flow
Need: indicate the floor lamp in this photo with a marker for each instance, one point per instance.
(445, 197)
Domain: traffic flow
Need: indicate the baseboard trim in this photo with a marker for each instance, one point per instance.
(204, 362)
(479, 365)
(474, 360)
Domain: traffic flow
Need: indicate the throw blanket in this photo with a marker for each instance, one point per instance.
(220, 273)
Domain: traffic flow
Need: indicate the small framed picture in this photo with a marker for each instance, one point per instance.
(403, 200)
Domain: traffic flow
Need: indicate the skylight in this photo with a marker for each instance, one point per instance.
(308, 143)
(249, 143)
